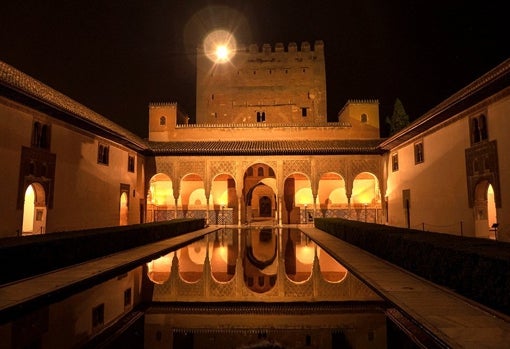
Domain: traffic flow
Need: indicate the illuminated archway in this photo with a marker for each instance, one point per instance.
(160, 198)
(366, 197)
(485, 210)
(123, 209)
(34, 210)
(192, 197)
(259, 191)
(224, 200)
(332, 194)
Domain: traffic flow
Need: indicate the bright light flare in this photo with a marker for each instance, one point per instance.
(220, 46)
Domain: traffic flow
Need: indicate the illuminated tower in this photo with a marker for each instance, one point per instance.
(281, 86)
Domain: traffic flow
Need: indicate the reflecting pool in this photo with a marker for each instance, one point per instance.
(259, 288)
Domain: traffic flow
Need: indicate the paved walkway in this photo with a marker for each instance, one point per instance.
(456, 321)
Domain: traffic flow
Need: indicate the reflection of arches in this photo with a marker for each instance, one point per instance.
(158, 270)
(34, 209)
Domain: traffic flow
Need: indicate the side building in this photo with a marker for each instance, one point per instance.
(64, 166)
(449, 171)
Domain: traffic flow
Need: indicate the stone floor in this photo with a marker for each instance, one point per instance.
(456, 321)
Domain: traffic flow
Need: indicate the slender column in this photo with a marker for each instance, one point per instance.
(207, 210)
(280, 200)
(239, 200)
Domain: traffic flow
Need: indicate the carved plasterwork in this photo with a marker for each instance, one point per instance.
(166, 166)
(219, 167)
(324, 165)
(196, 167)
(292, 166)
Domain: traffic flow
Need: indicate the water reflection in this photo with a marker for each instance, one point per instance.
(265, 254)
(246, 288)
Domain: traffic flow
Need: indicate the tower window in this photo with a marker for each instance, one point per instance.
(364, 118)
(304, 112)
(162, 121)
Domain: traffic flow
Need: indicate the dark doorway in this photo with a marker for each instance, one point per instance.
(265, 207)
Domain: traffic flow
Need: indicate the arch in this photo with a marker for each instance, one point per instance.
(124, 209)
(332, 191)
(192, 198)
(485, 209)
(34, 210)
(255, 187)
(298, 198)
(224, 199)
(366, 197)
(160, 198)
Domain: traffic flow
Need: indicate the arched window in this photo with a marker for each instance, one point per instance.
(478, 129)
(162, 121)
(260, 172)
(364, 118)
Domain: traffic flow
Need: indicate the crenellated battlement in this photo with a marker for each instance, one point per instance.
(362, 101)
(305, 46)
(162, 104)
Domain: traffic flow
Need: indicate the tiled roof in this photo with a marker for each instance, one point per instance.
(305, 147)
(25, 85)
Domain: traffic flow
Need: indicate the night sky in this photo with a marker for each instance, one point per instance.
(116, 57)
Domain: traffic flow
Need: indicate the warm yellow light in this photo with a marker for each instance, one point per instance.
(158, 270)
(28, 211)
(222, 53)
(305, 254)
(220, 46)
(223, 253)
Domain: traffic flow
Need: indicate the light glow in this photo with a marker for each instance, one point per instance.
(220, 46)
